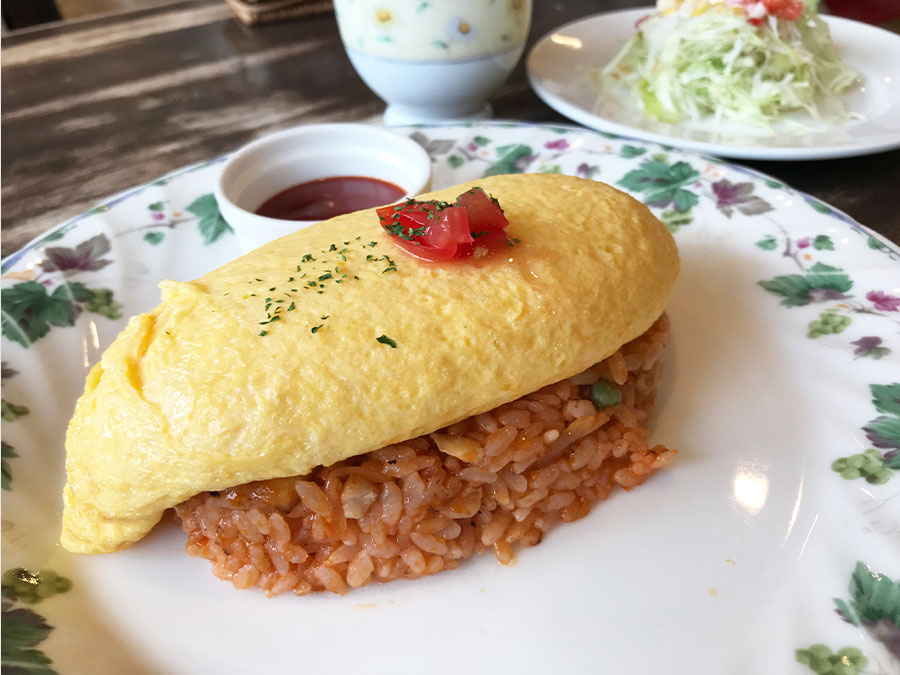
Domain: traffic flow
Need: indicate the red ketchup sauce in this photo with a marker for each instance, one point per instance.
(329, 197)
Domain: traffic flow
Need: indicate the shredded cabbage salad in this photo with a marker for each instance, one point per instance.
(734, 60)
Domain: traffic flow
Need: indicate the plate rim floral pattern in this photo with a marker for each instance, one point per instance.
(15, 256)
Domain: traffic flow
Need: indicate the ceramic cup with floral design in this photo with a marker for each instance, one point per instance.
(433, 60)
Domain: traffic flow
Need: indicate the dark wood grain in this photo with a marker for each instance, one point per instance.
(23, 13)
(93, 107)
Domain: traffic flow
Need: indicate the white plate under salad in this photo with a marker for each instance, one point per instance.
(562, 70)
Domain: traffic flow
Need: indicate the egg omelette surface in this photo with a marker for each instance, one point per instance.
(206, 391)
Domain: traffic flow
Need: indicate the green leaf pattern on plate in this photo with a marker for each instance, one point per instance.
(629, 151)
(823, 243)
(513, 158)
(819, 283)
(767, 243)
(154, 238)
(821, 660)
(29, 310)
(883, 432)
(874, 606)
(11, 412)
(212, 225)
(23, 629)
(49, 298)
(674, 219)
(874, 598)
(8, 453)
(662, 184)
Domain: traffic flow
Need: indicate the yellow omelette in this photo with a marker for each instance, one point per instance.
(371, 346)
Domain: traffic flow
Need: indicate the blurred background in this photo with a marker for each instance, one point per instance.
(102, 95)
(23, 13)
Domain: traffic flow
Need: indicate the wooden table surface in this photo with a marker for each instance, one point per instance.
(93, 107)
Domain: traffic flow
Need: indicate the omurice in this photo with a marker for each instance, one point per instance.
(339, 407)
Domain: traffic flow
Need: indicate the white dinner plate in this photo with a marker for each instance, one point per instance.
(761, 549)
(562, 70)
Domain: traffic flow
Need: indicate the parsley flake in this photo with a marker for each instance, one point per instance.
(398, 230)
(385, 340)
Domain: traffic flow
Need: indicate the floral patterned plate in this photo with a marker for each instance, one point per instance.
(771, 546)
(562, 66)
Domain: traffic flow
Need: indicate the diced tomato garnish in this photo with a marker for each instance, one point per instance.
(483, 212)
(429, 253)
(438, 231)
(451, 226)
(490, 240)
(403, 216)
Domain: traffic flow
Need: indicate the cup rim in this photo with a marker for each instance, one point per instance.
(409, 148)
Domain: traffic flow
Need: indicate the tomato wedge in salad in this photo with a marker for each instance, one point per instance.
(789, 10)
(439, 231)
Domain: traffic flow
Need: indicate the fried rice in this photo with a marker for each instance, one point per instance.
(498, 481)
